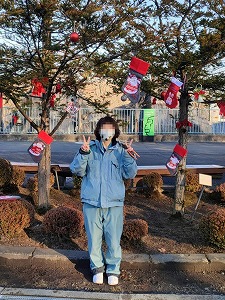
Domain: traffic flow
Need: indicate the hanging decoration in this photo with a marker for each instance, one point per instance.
(72, 108)
(170, 97)
(221, 105)
(198, 94)
(56, 91)
(74, 37)
(52, 100)
(131, 88)
(184, 123)
(154, 101)
(178, 154)
(1, 100)
(58, 88)
(37, 147)
(38, 89)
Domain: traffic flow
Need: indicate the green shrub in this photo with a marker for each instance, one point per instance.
(152, 183)
(134, 229)
(213, 227)
(192, 182)
(15, 216)
(64, 221)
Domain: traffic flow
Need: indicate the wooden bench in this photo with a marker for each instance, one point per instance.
(63, 170)
(214, 170)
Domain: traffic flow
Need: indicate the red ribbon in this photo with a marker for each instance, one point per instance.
(153, 101)
(197, 94)
(221, 106)
(38, 88)
(184, 123)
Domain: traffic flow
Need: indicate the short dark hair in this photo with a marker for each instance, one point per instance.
(107, 120)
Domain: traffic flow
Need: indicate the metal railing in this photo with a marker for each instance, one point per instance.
(205, 121)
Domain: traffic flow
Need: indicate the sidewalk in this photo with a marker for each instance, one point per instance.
(195, 262)
(40, 294)
(26, 256)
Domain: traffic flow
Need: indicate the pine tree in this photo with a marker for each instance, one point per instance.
(185, 39)
(36, 46)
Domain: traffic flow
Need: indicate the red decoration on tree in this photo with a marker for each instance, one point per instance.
(171, 94)
(15, 118)
(221, 106)
(153, 101)
(175, 158)
(58, 88)
(52, 100)
(163, 94)
(37, 147)
(1, 100)
(74, 37)
(38, 89)
(137, 69)
(198, 96)
(184, 123)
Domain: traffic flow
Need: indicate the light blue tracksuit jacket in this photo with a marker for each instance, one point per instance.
(103, 172)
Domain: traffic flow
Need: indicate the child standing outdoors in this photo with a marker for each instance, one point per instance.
(104, 163)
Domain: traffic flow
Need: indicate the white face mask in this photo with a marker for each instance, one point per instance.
(107, 134)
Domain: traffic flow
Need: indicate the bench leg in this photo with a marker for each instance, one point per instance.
(57, 179)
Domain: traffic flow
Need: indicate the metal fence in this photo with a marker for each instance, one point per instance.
(205, 121)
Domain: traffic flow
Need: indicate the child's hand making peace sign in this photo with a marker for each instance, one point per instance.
(130, 150)
(86, 147)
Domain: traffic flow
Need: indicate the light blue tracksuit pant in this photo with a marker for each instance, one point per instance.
(107, 222)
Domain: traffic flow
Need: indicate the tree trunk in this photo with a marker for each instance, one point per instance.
(178, 208)
(44, 172)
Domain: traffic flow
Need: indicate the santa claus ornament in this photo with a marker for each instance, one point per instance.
(37, 148)
(178, 154)
(137, 69)
(170, 97)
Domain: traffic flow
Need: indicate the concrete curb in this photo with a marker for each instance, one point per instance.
(36, 294)
(195, 262)
(136, 137)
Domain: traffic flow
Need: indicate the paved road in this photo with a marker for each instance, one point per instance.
(151, 153)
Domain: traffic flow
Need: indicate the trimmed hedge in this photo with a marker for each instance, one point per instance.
(213, 227)
(15, 216)
(134, 229)
(64, 221)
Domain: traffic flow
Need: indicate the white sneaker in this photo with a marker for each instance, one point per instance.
(113, 280)
(98, 278)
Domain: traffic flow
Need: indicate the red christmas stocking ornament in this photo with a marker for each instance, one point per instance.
(175, 158)
(131, 87)
(171, 94)
(37, 148)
